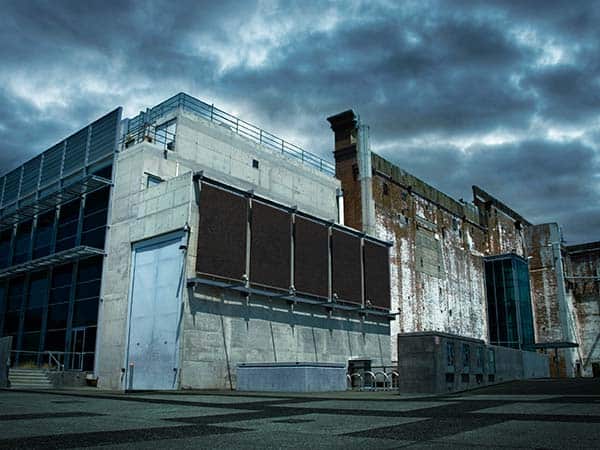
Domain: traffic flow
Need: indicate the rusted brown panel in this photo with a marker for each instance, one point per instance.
(346, 266)
(222, 233)
(377, 274)
(311, 257)
(270, 246)
(347, 172)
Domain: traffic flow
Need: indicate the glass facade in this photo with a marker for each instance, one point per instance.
(56, 307)
(509, 301)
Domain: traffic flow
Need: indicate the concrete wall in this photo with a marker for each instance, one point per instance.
(137, 212)
(220, 328)
(5, 348)
(225, 155)
(424, 365)
(583, 289)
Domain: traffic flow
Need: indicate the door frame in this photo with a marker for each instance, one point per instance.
(178, 235)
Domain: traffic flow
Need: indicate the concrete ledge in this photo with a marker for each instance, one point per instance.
(291, 377)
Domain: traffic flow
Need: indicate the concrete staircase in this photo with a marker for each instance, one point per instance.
(29, 379)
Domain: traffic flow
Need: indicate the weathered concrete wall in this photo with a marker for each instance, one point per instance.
(436, 261)
(137, 212)
(583, 283)
(433, 362)
(5, 348)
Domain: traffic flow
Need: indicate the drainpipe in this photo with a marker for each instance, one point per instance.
(563, 310)
(365, 171)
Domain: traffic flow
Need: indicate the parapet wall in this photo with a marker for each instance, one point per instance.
(442, 362)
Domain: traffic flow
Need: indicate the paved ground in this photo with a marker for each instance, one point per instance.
(533, 414)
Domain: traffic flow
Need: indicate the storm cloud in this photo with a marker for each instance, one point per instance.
(504, 95)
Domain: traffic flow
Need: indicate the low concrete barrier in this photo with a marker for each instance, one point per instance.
(291, 377)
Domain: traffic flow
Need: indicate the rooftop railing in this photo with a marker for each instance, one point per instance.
(233, 123)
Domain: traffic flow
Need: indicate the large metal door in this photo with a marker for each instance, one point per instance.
(155, 312)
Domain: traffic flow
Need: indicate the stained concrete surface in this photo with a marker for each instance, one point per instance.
(525, 414)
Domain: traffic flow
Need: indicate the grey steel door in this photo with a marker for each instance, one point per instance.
(155, 315)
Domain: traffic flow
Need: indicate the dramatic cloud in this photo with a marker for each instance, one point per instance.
(504, 95)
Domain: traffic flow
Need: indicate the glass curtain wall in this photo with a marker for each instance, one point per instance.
(55, 308)
(509, 301)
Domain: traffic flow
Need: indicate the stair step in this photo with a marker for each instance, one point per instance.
(29, 379)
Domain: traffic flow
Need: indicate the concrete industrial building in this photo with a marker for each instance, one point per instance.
(162, 251)
(266, 254)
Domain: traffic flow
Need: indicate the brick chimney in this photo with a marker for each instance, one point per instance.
(352, 155)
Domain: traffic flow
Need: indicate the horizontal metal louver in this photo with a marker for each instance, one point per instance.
(75, 151)
(11, 188)
(103, 137)
(31, 175)
(52, 164)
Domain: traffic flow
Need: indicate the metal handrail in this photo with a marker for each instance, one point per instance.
(56, 360)
(233, 123)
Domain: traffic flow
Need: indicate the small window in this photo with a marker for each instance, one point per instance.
(386, 189)
(466, 354)
(355, 171)
(255, 163)
(153, 180)
(464, 378)
(449, 378)
(450, 354)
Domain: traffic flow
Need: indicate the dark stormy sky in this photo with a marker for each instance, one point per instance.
(505, 95)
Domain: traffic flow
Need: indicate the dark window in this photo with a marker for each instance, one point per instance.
(62, 277)
(36, 300)
(44, 230)
(22, 243)
(5, 238)
(153, 180)
(449, 378)
(31, 343)
(450, 354)
(66, 236)
(105, 172)
(55, 340)
(466, 355)
(386, 189)
(89, 275)
(255, 163)
(95, 218)
(57, 316)
(16, 289)
(464, 378)
(85, 313)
